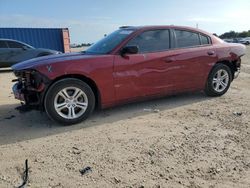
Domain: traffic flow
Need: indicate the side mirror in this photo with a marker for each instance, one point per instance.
(129, 50)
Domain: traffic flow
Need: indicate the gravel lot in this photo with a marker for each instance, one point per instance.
(188, 140)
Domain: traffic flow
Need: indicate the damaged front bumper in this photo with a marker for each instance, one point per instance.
(30, 87)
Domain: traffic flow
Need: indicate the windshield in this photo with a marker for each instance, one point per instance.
(108, 43)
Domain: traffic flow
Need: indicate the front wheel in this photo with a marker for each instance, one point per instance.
(69, 101)
(219, 80)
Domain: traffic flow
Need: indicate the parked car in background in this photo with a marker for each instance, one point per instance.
(245, 41)
(130, 64)
(12, 52)
(228, 40)
(236, 40)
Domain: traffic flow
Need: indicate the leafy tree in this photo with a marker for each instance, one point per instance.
(233, 34)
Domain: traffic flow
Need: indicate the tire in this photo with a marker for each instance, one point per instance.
(69, 101)
(219, 80)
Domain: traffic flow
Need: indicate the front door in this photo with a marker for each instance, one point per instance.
(150, 72)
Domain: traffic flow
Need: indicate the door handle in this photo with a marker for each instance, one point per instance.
(210, 53)
(169, 60)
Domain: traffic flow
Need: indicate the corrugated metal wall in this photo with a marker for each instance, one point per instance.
(51, 38)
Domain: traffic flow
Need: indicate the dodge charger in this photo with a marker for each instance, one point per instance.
(130, 64)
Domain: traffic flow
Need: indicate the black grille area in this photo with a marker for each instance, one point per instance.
(28, 83)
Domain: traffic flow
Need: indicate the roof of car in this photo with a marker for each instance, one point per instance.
(164, 27)
(4, 39)
(9, 39)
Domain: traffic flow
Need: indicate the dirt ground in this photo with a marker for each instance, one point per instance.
(188, 140)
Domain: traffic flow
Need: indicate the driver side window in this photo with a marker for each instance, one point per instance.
(13, 44)
(152, 41)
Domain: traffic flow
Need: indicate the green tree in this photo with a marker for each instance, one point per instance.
(233, 34)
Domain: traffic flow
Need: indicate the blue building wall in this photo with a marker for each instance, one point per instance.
(51, 38)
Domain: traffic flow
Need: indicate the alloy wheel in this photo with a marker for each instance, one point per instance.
(220, 80)
(71, 102)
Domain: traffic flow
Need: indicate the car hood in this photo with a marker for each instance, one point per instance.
(51, 59)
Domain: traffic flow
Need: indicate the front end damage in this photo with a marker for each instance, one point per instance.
(30, 87)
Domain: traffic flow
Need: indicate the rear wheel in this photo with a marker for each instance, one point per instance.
(219, 80)
(69, 101)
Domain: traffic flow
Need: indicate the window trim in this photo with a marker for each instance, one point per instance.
(170, 40)
(209, 40)
(199, 35)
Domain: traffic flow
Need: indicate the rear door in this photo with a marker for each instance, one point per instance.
(148, 72)
(193, 57)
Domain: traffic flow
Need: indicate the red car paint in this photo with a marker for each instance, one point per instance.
(136, 76)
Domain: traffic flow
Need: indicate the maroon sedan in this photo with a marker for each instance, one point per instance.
(130, 64)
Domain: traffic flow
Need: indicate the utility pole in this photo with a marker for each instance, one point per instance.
(197, 26)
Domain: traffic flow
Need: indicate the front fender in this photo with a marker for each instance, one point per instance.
(100, 73)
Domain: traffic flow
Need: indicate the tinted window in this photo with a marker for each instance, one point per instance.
(3, 44)
(204, 40)
(186, 38)
(13, 44)
(108, 43)
(151, 41)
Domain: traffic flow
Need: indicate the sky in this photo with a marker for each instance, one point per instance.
(89, 20)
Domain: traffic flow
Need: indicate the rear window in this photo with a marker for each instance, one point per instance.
(186, 38)
(13, 44)
(204, 40)
(3, 44)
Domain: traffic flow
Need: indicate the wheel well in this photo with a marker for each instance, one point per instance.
(85, 79)
(231, 65)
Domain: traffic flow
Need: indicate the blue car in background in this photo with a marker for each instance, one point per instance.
(12, 52)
